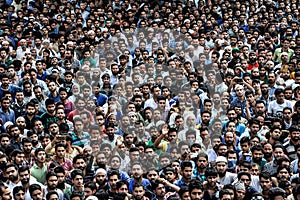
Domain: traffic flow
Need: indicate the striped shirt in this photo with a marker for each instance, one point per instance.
(82, 141)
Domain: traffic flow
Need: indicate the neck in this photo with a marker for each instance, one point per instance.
(186, 180)
(4, 87)
(78, 188)
(138, 180)
(241, 98)
(39, 164)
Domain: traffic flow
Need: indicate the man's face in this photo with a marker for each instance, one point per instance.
(19, 159)
(265, 184)
(80, 164)
(229, 138)
(27, 147)
(160, 191)
(257, 156)
(283, 175)
(12, 174)
(113, 180)
(138, 193)
(280, 98)
(6, 194)
(19, 195)
(30, 111)
(196, 194)
(137, 171)
(152, 176)
(78, 181)
(221, 167)
(37, 195)
(278, 152)
(51, 108)
(101, 178)
(52, 183)
(187, 173)
(275, 134)
(78, 126)
(212, 180)
(60, 152)
(5, 141)
(24, 177)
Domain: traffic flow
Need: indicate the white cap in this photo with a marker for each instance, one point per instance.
(221, 159)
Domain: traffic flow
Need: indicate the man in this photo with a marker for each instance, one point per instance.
(38, 92)
(159, 190)
(137, 176)
(224, 176)
(89, 189)
(187, 171)
(210, 186)
(19, 193)
(79, 137)
(6, 113)
(36, 192)
(77, 181)
(196, 190)
(27, 149)
(101, 176)
(60, 152)
(49, 116)
(277, 194)
(245, 177)
(112, 138)
(257, 156)
(39, 168)
(80, 162)
(69, 106)
(139, 192)
(5, 193)
(265, 183)
(18, 157)
(51, 184)
(279, 104)
(19, 105)
(278, 152)
(201, 165)
(240, 99)
(11, 171)
(30, 115)
(113, 178)
(292, 143)
(61, 179)
(80, 106)
(6, 86)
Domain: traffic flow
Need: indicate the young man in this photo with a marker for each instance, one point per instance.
(77, 180)
(196, 190)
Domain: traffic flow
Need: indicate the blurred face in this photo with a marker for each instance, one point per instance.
(137, 171)
(196, 194)
(138, 193)
(20, 195)
(113, 180)
(265, 184)
(52, 182)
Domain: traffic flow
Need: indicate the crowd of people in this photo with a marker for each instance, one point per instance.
(149, 100)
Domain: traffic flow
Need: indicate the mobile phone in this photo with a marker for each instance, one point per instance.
(61, 137)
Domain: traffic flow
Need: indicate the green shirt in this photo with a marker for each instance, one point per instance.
(39, 173)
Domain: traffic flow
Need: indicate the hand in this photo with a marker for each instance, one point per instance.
(165, 129)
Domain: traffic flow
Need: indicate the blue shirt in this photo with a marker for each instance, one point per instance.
(145, 183)
(7, 117)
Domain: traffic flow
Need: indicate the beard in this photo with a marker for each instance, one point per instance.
(222, 174)
(13, 178)
(257, 160)
(61, 185)
(269, 155)
(25, 181)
